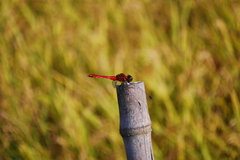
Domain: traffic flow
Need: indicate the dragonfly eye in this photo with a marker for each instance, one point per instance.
(129, 78)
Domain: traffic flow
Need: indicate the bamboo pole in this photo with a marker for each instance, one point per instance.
(135, 123)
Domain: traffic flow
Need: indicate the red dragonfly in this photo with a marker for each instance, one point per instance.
(123, 78)
(120, 77)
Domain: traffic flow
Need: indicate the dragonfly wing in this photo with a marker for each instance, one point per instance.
(114, 83)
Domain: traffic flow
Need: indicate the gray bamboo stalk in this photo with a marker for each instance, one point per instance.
(135, 123)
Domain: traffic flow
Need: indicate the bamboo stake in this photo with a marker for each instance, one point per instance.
(135, 123)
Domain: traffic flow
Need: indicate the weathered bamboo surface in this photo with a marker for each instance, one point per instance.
(135, 123)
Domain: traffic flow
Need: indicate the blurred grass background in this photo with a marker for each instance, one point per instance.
(186, 52)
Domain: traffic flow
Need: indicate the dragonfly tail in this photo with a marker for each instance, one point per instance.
(100, 76)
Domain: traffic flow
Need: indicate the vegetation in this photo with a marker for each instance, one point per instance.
(186, 52)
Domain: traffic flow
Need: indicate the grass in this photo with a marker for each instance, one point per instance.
(187, 53)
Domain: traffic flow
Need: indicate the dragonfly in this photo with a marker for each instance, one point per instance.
(123, 78)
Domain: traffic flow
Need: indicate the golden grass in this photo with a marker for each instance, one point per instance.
(187, 53)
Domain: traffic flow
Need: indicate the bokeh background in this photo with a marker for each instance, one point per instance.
(186, 52)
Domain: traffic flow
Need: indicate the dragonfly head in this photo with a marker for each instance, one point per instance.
(129, 78)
